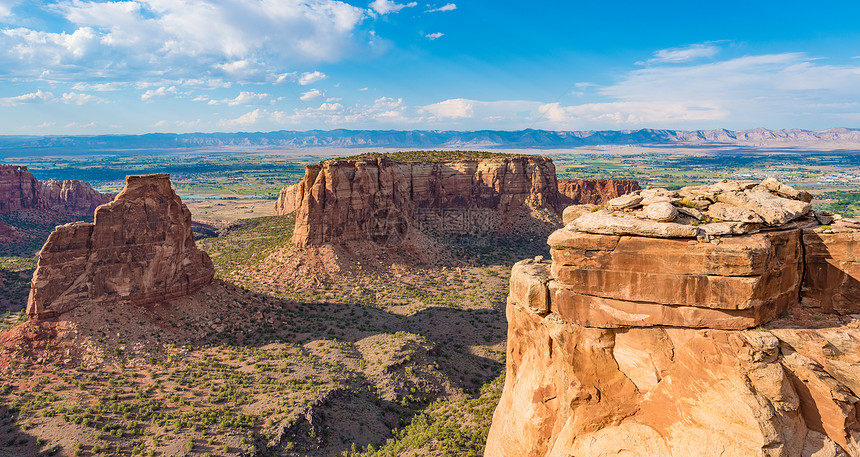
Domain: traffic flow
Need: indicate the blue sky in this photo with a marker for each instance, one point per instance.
(94, 67)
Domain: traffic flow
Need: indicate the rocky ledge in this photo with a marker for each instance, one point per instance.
(139, 250)
(715, 320)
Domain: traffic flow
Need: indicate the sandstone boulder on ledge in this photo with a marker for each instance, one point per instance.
(139, 250)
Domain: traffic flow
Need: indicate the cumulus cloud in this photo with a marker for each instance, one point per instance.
(76, 98)
(685, 54)
(39, 96)
(312, 77)
(445, 7)
(389, 6)
(311, 94)
(112, 39)
(162, 91)
(245, 120)
(434, 36)
(456, 108)
(244, 98)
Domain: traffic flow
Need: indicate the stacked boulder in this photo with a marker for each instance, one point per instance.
(712, 320)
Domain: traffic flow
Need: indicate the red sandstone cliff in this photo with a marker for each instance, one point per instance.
(139, 250)
(19, 190)
(638, 338)
(72, 196)
(593, 191)
(350, 200)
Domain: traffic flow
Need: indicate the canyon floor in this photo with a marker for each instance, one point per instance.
(281, 355)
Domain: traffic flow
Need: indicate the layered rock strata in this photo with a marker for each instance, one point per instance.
(358, 200)
(287, 199)
(139, 250)
(638, 339)
(593, 191)
(19, 190)
(73, 197)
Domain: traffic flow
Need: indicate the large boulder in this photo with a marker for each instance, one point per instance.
(139, 250)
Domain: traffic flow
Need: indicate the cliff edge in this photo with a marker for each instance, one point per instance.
(714, 320)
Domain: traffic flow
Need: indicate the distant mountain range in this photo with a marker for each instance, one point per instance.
(538, 139)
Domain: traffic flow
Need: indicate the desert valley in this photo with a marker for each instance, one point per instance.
(429, 302)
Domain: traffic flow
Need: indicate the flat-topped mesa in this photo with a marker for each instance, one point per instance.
(360, 198)
(638, 337)
(139, 250)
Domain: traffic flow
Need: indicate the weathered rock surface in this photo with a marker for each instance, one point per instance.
(578, 391)
(632, 343)
(593, 191)
(139, 250)
(19, 190)
(348, 200)
(288, 199)
(73, 197)
(832, 278)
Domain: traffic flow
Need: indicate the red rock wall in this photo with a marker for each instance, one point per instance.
(288, 199)
(593, 191)
(73, 197)
(341, 200)
(579, 391)
(19, 190)
(832, 277)
(140, 250)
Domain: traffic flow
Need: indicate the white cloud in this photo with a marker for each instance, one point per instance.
(456, 108)
(434, 36)
(77, 98)
(389, 6)
(146, 38)
(685, 54)
(445, 7)
(244, 98)
(162, 91)
(311, 94)
(39, 96)
(312, 77)
(285, 77)
(99, 87)
(245, 120)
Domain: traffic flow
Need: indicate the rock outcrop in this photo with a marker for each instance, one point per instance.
(593, 191)
(288, 199)
(684, 339)
(73, 197)
(19, 190)
(139, 250)
(378, 198)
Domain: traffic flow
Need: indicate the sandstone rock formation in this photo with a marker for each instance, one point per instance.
(287, 200)
(593, 191)
(139, 250)
(362, 199)
(72, 197)
(19, 190)
(632, 342)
